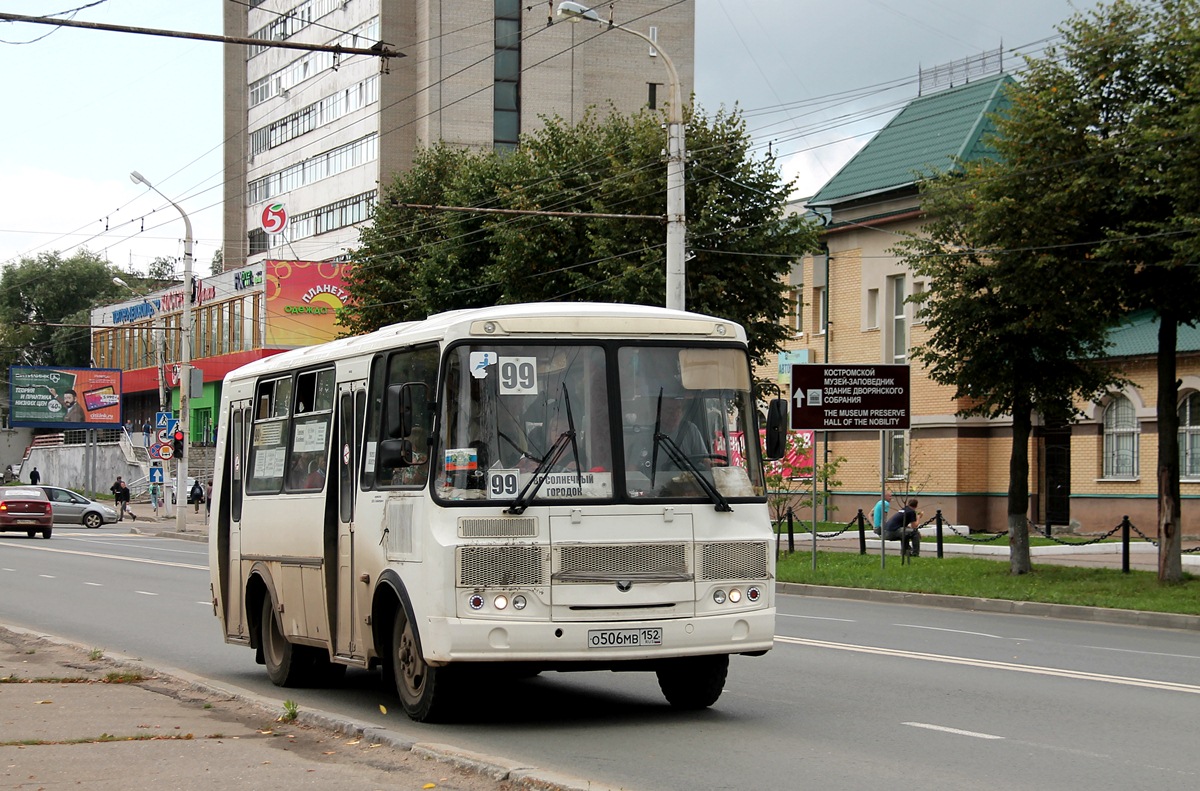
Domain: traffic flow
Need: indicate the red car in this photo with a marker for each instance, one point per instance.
(26, 508)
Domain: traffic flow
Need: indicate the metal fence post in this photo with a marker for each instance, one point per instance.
(938, 517)
(862, 533)
(791, 533)
(1125, 544)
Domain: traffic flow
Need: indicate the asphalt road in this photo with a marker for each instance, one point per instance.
(856, 695)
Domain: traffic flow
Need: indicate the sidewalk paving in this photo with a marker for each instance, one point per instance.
(70, 717)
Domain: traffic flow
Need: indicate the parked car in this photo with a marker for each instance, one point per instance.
(26, 508)
(74, 509)
(187, 491)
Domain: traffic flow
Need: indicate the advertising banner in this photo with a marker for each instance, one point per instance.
(65, 397)
(302, 302)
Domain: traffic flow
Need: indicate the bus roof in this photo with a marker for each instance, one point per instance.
(550, 320)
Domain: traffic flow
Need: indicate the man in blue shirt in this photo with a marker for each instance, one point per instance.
(879, 512)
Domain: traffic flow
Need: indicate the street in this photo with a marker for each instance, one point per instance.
(855, 695)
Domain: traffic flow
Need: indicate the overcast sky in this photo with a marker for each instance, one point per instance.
(84, 108)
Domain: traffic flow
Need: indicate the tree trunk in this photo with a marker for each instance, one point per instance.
(1018, 490)
(1170, 565)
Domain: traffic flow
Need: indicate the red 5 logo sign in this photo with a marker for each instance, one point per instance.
(274, 218)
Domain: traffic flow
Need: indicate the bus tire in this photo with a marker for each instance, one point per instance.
(285, 665)
(419, 686)
(693, 682)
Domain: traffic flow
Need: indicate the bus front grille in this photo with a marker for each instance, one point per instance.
(500, 566)
(744, 560)
(583, 561)
(519, 527)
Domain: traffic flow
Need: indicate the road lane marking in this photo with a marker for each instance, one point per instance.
(814, 617)
(1079, 675)
(119, 557)
(47, 576)
(1143, 653)
(955, 631)
(146, 593)
(95, 584)
(942, 728)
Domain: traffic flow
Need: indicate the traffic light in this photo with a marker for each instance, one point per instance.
(177, 444)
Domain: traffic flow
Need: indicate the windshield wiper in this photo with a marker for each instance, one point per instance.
(549, 460)
(676, 455)
(680, 459)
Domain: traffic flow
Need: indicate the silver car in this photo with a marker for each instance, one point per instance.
(75, 509)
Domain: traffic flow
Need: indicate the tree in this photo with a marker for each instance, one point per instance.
(411, 263)
(217, 266)
(50, 289)
(162, 270)
(789, 480)
(1089, 212)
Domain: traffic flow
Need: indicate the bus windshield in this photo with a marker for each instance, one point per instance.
(540, 422)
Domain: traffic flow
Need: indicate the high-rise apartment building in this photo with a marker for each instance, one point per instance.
(320, 133)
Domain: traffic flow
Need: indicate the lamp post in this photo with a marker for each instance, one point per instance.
(185, 357)
(676, 153)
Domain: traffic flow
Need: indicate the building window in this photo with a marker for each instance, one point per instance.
(797, 297)
(1189, 436)
(873, 309)
(896, 451)
(1120, 439)
(506, 104)
(821, 312)
(918, 309)
(899, 321)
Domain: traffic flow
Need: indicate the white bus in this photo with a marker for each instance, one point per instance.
(549, 486)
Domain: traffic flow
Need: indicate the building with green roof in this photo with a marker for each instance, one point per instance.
(852, 309)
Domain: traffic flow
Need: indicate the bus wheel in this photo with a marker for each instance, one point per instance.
(693, 682)
(284, 666)
(418, 685)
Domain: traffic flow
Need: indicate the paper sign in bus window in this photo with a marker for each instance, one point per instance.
(462, 459)
(518, 376)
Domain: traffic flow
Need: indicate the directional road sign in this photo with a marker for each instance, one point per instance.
(156, 475)
(850, 397)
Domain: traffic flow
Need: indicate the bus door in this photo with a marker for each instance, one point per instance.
(345, 610)
(229, 537)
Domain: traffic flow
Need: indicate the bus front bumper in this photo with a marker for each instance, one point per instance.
(445, 640)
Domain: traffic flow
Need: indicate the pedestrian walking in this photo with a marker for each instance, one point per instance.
(120, 492)
(208, 500)
(196, 495)
(146, 433)
(35, 477)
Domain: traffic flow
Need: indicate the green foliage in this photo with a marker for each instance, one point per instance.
(52, 289)
(412, 262)
(790, 483)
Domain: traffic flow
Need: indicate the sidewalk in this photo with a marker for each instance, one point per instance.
(74, 718)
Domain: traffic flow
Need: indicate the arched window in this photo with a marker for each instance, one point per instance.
(1189, 436)
(1120, 439)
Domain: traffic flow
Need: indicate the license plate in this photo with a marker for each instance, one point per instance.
(623, 638)
(27, 521)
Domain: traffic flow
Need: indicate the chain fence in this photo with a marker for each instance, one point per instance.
(859, 525)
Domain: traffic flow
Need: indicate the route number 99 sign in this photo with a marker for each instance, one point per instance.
(518, 376)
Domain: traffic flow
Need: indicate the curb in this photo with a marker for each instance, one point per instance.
(1159, 620)
(495, 767)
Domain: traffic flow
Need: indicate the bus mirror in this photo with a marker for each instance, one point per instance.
(395, 453)
(777, 428)
(401, 403)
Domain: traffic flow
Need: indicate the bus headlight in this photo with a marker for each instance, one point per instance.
(753, 594)
(719, 596)
(518, 602)
(735, 596)
(476, 601)
(500, 602)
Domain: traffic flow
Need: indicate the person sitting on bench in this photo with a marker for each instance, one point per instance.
(901, 526)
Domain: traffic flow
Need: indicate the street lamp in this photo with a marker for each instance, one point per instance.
(185, 357)
(676, 151)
